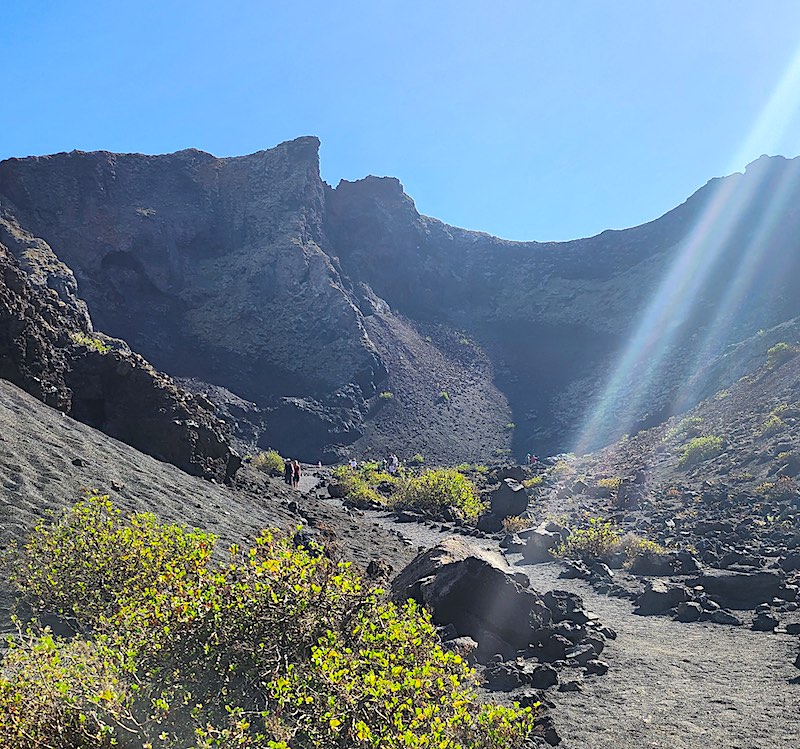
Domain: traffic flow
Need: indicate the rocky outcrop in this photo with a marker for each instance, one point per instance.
(48, 348)
(252, 274)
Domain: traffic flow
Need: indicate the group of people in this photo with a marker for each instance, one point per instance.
(531, 459)
(291, 473)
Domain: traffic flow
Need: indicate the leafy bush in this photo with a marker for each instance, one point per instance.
(517, 523)
(90, 342)
(783, 488)
(80, 564)
(598, 540)
(533, 481)
(700, 449)
(386, 395)
(277, 647)
(689, 426)
(480, 468)
(464, 467)
(610, 483)
(270, 462)
(355, 485)
(417, 459)
(444, 396)
(772, 425)
(780, 353)
(510, 425)
(634, 546)
(437, 489)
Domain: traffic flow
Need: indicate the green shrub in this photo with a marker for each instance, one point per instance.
(444, 396)
(599, 540)
(772, 425)
(480, 468)
(689, 426)
(417, 459)
(79, 564)
(780, 353)
(700, 449)
(533, 481)
(634, 546)
(610, 483)
(90, 342)
(511, 425)
(355, 485)
(437, 489)
(386, 395)
(270, 462)
(277, 647)
(463, 467)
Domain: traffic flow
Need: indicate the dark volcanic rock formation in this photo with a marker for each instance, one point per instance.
(103, 384)
(252, 274)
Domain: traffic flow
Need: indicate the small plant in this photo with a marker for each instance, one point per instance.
(440, 488)
(95, 344)
(599, 540)
(783, 488)
(480, 468)
(634, 546)
(464, 341)
(534, 481)
(780, 353)
(355, 486)
(686, 427)
(444, 396)
(610, 483)
(386, 395)
(463, 467)
(511, 425)
(772, 425)
(722, 394)
(515, 524)
(699, 449)
(417, 459)
(269, 462)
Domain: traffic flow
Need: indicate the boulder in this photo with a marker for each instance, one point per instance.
(654, 564)
(659, 597)
(565, 605)
(509, 499)
(538, 544)
(477, 592)
(739, 590)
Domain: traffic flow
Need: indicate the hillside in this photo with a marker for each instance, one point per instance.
(253, 275)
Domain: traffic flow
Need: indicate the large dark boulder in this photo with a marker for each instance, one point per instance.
(477, 592)
(739, 590)
(659, 597)
(509, 499)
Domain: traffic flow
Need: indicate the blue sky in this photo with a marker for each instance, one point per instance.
(525, 119)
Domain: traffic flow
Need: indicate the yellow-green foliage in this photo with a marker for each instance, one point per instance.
(480, 468)
(464, 467)
(610, 483)
(700, 449)
(687, 427)
(780, 353)
(270, 462)
(278, 647)
(417, 459)
(436, 489)
(386, 395)
(784, 487)
(355, 485)
(635, 546)
(598, 540)
(533, 481)
(79, 564)
(772, 425)
(90, 342)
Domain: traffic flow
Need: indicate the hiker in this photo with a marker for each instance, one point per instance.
(296, 475)
(288, 471)
(528, 459)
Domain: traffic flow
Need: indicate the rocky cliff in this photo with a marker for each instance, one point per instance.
(354, 323)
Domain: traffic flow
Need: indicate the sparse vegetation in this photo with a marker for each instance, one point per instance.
(355, 485)
(598, 540)
(417, 459)
(511, 425)
(635, 546)
(444, 396)
(386, 395)
(517, 523)
(269, 462)
(277, 647)
(534, 481)
(440, 488)
(690, 426)
(780, 353)
(772, 425)
(611, 483)
(90, 342)
(699, 449)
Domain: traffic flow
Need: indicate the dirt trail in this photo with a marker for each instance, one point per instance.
(670, 685)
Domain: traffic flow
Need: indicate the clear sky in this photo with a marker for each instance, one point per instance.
(522, 118)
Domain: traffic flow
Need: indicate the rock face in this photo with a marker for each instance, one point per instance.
(252, 274)
(47, 347)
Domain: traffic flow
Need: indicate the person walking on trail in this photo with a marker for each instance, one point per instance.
(528, 459)
(288, 471)
(296, 474)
